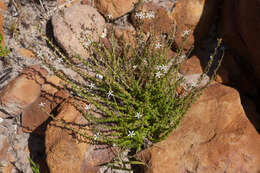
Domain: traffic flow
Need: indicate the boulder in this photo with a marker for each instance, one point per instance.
(195, 16)
(239, 27)
(26, 53)
(214, 136)
(68, 152)
(18, 94)
(35, 116)
(152, 18)
(194, 66)
(75, 26)
(115, 8)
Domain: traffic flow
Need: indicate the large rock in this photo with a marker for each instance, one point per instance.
(65, 153)
(214, 136)
(150, 17)
(239, 26)
(34, 117)
(18, 94)
(193, 66)
(116, 8)
(75, 26)
(196, 16)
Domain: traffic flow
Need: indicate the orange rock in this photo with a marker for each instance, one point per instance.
(116, 8)
(191, 66)
(4, 145)
(1, 29)
(196, 16)
(2, 6)
(214, 136)
(127, 33)
(34, 117)
(36, 73)
(161, 23)
(52, 85)
(65, 152)
(26, 53)
(18, 94)
(8, 168)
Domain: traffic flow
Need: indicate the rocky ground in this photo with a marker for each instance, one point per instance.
(219, 134)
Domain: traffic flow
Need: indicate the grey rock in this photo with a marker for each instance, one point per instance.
(76, 25)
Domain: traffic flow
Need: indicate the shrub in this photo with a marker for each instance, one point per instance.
(138, 91)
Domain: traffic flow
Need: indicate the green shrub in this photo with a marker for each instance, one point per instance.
(138, 90)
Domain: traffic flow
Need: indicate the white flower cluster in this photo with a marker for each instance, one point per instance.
(160, 68)
(145, 15)
(185, 33)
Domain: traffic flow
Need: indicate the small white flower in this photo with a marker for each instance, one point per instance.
(158, 74)
(59, 60)
(104, 34)
(87, 107)
(1, 120)
(140, 15)
(134, 67)
(51, 58)
(110, 93)
(185, 33)
(95, 136)
(138, 115)
(150, 15)
(131, 133)
(163, 67)
(137, 15)
(182, 57)
(87, 43)
(42, 104)
(39, 54)
(158, 46)
(99, 76)
(158, 67)
(211, 57)
(110, 16)
(92, 85)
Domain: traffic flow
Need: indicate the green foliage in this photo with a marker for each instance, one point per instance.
(3, 50)
(35, 167)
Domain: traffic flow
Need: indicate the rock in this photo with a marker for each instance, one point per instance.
(34, 117)
(78, 23)
(2, 9)
(153, 18)
(116, 8)
(8, 168)
(4, 145)
(127, 33)
(214, 136)
(26, 53)
(195, 16)
(18, 94)
(36, 73)
(193, 66)
(52, 84)
(239, 28)
(65, 153)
